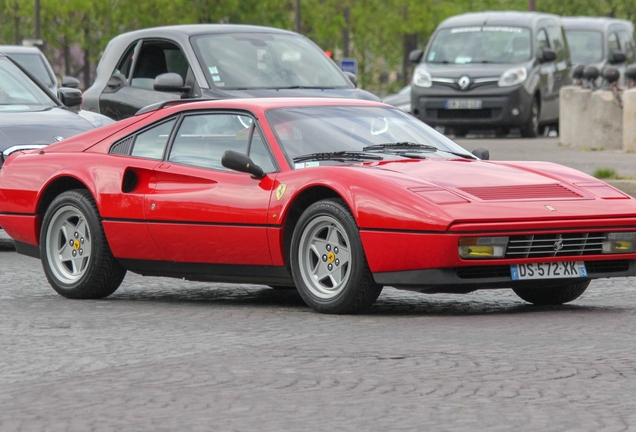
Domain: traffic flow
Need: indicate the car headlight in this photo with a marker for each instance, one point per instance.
(513, 76)
(482, 247)
(621, 242)
(421, 77)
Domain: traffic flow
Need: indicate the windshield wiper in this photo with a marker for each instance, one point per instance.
(339, 155)
(412, 147)
(304, 87)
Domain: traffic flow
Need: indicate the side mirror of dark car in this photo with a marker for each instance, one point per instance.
(169, 82)
(415, 56)
(482, 153)
(70, 82)
(242, 163)
(352, 77)
(116, 81)
(618, 57)
(548, 55)
(70, 97)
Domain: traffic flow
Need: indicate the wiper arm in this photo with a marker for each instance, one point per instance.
(339, 155)
(305, 87)
(413, 147)
(404, 145)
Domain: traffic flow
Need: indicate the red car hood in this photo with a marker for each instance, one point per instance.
(469, 191)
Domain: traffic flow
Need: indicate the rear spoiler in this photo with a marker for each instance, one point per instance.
(5, 154)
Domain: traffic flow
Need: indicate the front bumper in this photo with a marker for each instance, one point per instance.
(501, 106)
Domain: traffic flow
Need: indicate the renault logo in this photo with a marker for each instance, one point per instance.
(464, 82)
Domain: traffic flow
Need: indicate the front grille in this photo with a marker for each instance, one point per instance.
(617, 266)
(452, 114)
(551, 245)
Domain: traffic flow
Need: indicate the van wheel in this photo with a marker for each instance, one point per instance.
(531, 128)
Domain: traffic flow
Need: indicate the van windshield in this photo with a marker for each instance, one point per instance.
(585, 46)
(481, 44)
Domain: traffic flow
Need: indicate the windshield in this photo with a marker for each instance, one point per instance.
(34, 64)
(18, 92)
(585, 46)
(303, 131)
(253, 60)
(487, 44)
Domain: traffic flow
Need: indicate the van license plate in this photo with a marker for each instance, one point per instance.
(462, 104)
(555, 270)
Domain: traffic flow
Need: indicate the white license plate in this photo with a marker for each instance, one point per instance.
(555, 270)
(462, 104)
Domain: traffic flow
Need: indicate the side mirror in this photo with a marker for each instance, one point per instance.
(70, 82)
(618, 57)
(116, 81)
(169, 82)
(70, 97)
(242, 163)
(548, 55)
(415, 56)
(351, 77)
(482, 153)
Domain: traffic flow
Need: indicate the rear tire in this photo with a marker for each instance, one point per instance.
(75, 255)
(328, 262)
(555, 295)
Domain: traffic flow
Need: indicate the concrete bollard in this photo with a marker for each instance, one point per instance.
(629, 120)
(590, 119)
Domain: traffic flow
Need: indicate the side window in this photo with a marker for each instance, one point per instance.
(156, 58)
(612, 43)
(152, 142)
(542, 42)
(125, 64)
(556, 41)
(627, 43)
(202, 139)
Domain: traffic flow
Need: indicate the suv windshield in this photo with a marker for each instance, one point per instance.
(265, 60)
(320, 130)
(18, 92)
(585, 46)
(481, 44)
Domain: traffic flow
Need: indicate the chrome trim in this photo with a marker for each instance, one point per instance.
(485, 80)
(444, 80)
(14, 149)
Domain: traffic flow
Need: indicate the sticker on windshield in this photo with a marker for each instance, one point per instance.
(299, 165)
(262, 57)
(290, 56)
(213, 70)
(463, 59)
(216, 78)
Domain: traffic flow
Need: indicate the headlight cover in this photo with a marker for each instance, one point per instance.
(513, 76)
(620, 242)
(422, 77)
(482, 247)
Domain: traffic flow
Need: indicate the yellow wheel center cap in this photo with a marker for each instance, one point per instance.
(76, 245)
(331, 257)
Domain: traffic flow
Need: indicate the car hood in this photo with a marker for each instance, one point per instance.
(39, 127)
(264, 93)
(473, 70)
(498, 191)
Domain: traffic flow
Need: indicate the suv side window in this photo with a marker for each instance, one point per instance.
(627, 43)
(556, 40)
(612, 43)
(156, 58)
(125, 64)
(542, 42)
(202, 139)
(151, 143)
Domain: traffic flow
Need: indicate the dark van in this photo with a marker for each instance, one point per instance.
(600, 42)
(492, 70)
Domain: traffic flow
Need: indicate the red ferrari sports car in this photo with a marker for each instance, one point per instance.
(335, 197)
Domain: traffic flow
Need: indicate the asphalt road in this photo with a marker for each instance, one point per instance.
(169, 355)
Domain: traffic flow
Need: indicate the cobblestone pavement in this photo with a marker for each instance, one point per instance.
(169, 355)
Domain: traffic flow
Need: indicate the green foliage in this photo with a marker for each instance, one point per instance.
(605, 173)
(379, 31)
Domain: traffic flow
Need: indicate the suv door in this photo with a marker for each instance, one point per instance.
(131, 85)
(561, 64)
(549, 97)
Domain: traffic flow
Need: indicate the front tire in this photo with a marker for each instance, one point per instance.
(328, 262)
(75, 255)
(531, 128)
(554, 295)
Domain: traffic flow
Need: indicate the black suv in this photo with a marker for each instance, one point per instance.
(600, 42)
(492, 70)
(212, 61)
